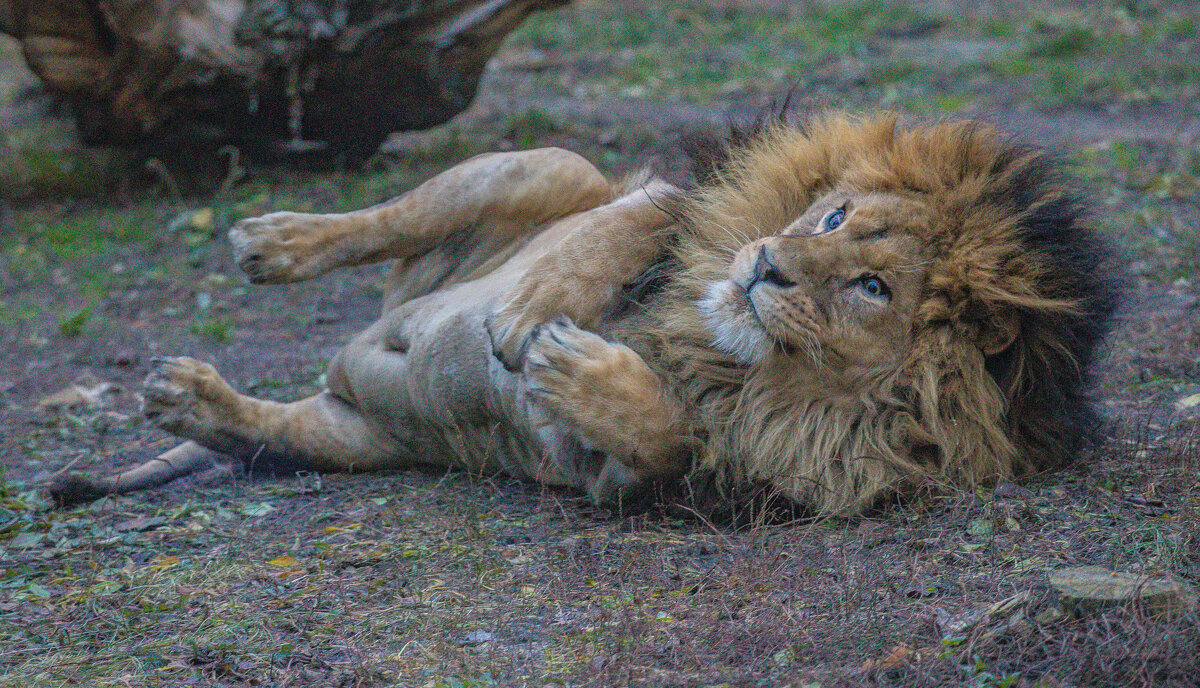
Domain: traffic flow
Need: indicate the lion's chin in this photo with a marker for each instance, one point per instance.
(734, 326)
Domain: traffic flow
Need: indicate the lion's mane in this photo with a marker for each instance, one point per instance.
(1011, 245)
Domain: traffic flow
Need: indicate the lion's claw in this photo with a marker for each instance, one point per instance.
(510, 357)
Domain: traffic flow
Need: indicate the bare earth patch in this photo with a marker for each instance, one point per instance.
(456, 580)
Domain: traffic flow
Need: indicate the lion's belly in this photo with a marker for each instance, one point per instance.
(425, 373)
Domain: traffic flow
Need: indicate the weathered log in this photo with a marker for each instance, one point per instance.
(301, 73)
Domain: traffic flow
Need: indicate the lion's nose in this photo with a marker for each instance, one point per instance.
(766, 271)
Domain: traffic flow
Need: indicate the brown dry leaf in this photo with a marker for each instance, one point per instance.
(894, 658)
(86, 390)
(1188, 402)
(286, 561)
(161, 563)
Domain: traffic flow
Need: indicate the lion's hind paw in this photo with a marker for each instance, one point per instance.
(279, 247)
(186, 397)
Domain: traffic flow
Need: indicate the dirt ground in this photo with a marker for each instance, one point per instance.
(410, 578)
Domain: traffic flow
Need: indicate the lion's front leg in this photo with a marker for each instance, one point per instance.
(611, 246)
(610, 398)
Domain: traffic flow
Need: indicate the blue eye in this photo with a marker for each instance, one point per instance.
(834, 220)
(874, 287)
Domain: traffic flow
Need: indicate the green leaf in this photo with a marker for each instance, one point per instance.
(980, 527)
(27, 540)
(260, 509)
(72, 325)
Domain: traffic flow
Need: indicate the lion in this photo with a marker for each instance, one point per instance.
(841, 312)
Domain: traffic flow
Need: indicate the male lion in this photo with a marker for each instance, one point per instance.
(839, 312)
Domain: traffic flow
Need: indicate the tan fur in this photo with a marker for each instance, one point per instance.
(939, 336)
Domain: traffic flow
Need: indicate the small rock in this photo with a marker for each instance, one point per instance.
(981, 527)
(954, 625)
(140, 523)
(957, 624)
(1049, 615)
(1183, 300)
(326, 317)
(477, 638)
(1188, 402)
(123, 358)
(918, 591)
(1012, 491)
(1087, 589)
(785, 657)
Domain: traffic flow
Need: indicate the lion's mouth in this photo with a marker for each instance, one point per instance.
(734, 322)
(748, 303)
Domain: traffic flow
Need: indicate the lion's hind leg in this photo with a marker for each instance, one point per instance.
(495, 198)
(321, 433)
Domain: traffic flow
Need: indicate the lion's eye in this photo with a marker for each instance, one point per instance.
(874, 287)
(834, 220)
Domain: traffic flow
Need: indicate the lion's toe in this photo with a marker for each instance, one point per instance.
(508, 341)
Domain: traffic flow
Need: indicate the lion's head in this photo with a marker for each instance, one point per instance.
(864, 308)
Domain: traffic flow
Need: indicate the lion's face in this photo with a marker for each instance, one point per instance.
(837, 289)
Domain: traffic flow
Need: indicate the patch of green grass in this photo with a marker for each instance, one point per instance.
(1125, 155)
(1011, 67)
(995, 27)
(1069, 43)
(955, 102)
(73, 324)
(79, 234)
(695, 52)
(527, 128)
(26, 264)
(218, 329)
(1180, 27)
(1061, 85)
(894, 71)
(46, 158)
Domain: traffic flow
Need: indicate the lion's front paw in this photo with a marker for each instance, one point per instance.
(564, 364)
(187, 398)
(279, 247)
(607, 394)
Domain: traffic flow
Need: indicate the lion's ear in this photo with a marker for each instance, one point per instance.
(999, 334)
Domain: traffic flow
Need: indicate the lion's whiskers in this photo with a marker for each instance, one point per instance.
(739, 238)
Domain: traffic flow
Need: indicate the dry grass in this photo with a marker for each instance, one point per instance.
(455, 580)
